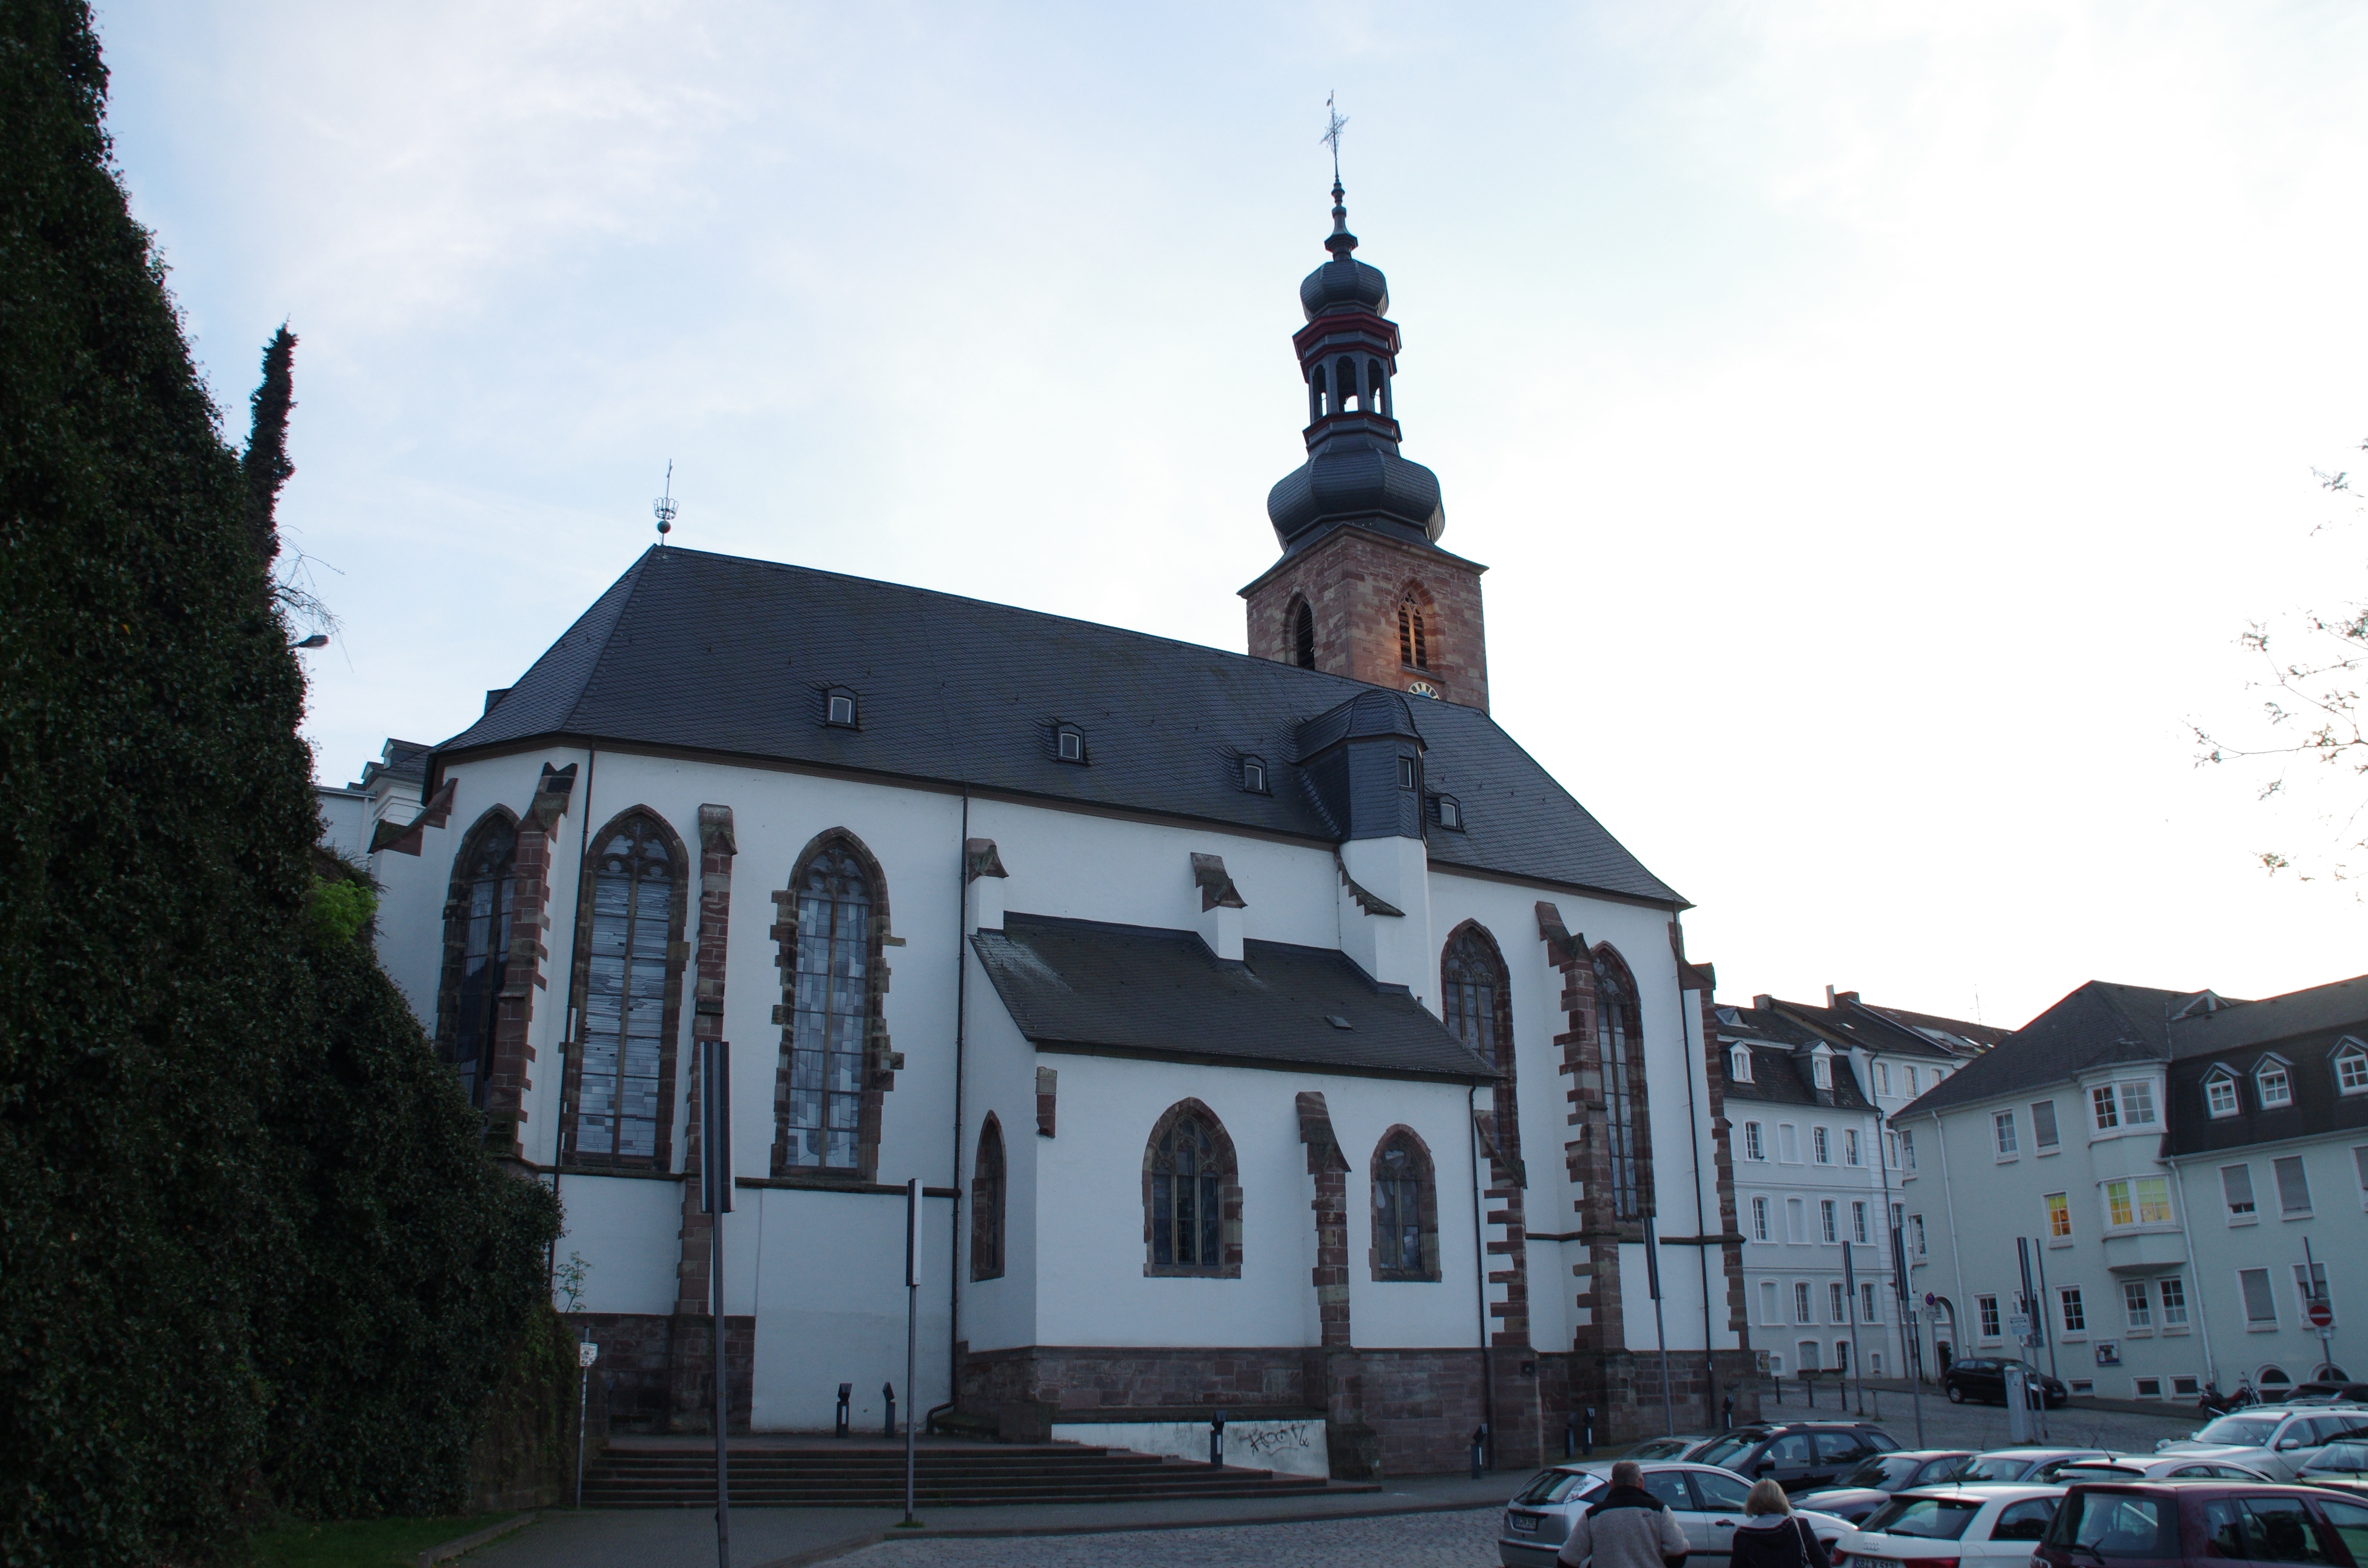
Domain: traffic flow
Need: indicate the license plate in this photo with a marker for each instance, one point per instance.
(1527, 1527)
(1858, 1561)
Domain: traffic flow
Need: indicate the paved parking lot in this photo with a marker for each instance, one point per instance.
(1465, 1539)
(1950, 1425)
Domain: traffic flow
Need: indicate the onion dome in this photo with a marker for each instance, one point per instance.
(1343, 283)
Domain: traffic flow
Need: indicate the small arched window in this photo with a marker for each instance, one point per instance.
(1821, 1068)
(1191, 1201)
(987, 1204)
(1414, 643)
(1346, 374)
(840, 709)
(1377, 388)
(1405, 1208)
(1738, 1064)
(1254, 774)
(1473, 993)
(1315, 410)
(477, 946)
(1069, 743)
(625, 989)
(1302, 635)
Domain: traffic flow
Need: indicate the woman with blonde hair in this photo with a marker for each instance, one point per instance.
(1772, 1535)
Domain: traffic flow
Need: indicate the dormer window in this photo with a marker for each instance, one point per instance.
(2351, 1067)
(1821, 1069)
(2220, 1093)
(1254, 774)
(1738, 1064)
(839, 709)
(1448, 812)
(2274, 1084)
(1070, 745)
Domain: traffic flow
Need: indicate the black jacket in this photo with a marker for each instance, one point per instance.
(1789, 1545)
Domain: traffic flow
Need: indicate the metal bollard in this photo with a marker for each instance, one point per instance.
(1570, 1435)
(846, 1394)
(1726, 1414)
(888, 1393)
(1590, 1431)
(1217, 1441)
(1479, 1443)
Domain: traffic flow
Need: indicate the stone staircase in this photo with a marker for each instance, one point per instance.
(672, 1474)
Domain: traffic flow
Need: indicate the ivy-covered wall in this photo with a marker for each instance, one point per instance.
(251, 1256)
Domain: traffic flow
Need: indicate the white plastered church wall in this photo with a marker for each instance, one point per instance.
(620, 1227)
(1401, 1313)
(1000, 1064)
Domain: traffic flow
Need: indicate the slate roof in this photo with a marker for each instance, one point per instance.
(2304, 1028)
(1889, 1031)
(726, 655)
(1140, 991)
(2096, 1026)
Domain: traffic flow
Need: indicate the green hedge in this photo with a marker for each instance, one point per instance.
(249, 1252)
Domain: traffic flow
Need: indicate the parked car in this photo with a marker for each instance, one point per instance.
(1672, 1447)
(2342, 1465)
(2275, 1440)
(2195, 1524)
(2153, 1467)
(2029, 1462)
(1801, 1455)
(1942, 1527)
(1869, 1486)
(2326, 1393)
(1984, 1377)
(1706, 1501)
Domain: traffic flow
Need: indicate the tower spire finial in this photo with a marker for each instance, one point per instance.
(1342, 241)
(663, 508)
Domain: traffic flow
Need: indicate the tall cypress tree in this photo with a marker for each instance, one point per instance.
(266, 467)
(227, 1160)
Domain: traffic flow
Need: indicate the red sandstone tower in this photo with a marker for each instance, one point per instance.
(1362, 589)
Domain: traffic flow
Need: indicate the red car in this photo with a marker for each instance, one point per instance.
(2152, 1524)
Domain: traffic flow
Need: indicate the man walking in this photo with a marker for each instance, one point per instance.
(1630, 1528)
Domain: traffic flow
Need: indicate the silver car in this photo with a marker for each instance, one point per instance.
(2029, 1463)
(1706, 1502)
(1673, 1448)
(2155, 1467)
(2276, 1441)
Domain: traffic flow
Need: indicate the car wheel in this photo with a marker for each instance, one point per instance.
(1956, 1395)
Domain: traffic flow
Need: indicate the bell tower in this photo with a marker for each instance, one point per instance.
(1362, 589)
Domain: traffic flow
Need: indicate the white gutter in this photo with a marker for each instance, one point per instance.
(2202, 1318)
(1949, 1201)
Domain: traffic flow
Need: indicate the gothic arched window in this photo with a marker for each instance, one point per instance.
(1472, 993)
(1191, 1198)
(476, 952)
(1414, 644)
(828, 1103)
(1302, 634)
(1405, 1208)
(987, 1204)
(628, 989)
(1620, 1048)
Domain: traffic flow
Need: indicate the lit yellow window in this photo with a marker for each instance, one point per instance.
(2059, 1217)
(2117, 1203)
(2153, 1200)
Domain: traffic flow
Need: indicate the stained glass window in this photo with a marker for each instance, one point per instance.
(1399, 1176)
(1187, 1204)
(1470, 976)
(489, 878)
(832, 1003)
(624, 994)
(1619, 1092)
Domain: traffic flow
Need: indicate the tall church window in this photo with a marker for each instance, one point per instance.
(1302, 634)
(476, 952)
(1473, 995)
(1620, 1051)
(1405, 1208)
(627, 986)
(830, 1012)
(1191, 1195)
(987, 1204)
(1414, 643)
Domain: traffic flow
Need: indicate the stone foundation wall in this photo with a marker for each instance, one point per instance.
(656, 1371)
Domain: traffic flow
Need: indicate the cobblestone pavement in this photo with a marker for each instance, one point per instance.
(1467, 1539)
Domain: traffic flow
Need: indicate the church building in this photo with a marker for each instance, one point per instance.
(1219, 1003)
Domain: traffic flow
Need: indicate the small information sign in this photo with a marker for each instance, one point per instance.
(586, 1354)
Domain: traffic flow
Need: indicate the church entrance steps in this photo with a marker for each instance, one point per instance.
(834, 1474)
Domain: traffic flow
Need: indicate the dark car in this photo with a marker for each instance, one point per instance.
(2203, 1523)
(2325, 1393)
(1869, 1486)
(1799, 1454)
(1984, 1377)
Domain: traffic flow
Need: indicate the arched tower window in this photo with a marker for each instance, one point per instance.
(1315, 394)
(1473, 997)
(1302, 634)
(1405, 1208)
(1621, 1048)
(1377, 388)
(476, 951)
(628, 992)
(1346, 374)
(834, 1062)
(987, 1204)
(1191, 1195)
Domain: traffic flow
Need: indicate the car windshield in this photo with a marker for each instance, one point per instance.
(2340, 1457)
(2239, 1431)
(1996, 1466)
(1934, 1518)
(1884, 1472)
(1558, 1485)
(1726, 1448)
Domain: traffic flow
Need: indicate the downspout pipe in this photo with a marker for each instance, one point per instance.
(962, 1021)
(1949, 1204)
(1694, 1138)
(2202, 1318)
(1480, 1274)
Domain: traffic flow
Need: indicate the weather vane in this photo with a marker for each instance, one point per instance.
(1335, 119)
(663, 505)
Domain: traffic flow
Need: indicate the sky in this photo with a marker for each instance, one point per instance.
(1881, 419)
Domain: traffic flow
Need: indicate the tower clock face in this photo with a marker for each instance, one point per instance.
(1421, 688)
